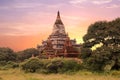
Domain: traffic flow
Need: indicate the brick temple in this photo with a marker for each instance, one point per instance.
(59, 44)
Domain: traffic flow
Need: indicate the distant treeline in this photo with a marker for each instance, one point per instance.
(7, 54)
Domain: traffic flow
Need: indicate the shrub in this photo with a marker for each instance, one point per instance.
(62, 66)
(11, 64)
(6, 65)
(31, 65)
(108, 66)
(26, 54)
(54, 66)
(7, 54)
(3, 63)
(70, 66)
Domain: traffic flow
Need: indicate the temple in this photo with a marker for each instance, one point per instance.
(59, 43)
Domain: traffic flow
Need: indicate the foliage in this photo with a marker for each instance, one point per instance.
(70, 66)
(11, 64)
(107, 56)
(31, 65)
(85, 52)
(8, 65)
(54, 66)
(62, 66)
(25, 54)
(51, 66)
(7, 54)
(3, 63)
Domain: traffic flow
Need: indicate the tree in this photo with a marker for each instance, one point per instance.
(25, 54)
(107, 34)
(7, 54)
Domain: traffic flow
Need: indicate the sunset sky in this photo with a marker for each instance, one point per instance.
(25, 23)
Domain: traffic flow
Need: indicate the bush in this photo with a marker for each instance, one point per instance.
(62, 66)
(6, 65)
(3, 63)
(11, 64)
(54, 66)
(70, 66)
(31, 65)
(7, 54)
(26, 54)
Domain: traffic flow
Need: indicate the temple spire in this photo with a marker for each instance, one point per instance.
(58, 19)
(58, 14)
(58, 27)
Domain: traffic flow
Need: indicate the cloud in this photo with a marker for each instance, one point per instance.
(25, 18)
(113, 6)
(77, 1)
(54, 6)
(18, 29)
(31, 5)
(4, 7)
(75, 18)
(26, 5)
(21, 5)
(5, 30)
(98, 2)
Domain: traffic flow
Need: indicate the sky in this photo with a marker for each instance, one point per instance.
(25, 23)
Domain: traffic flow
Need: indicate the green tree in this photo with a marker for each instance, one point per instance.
(107, 56)
(7, 54)
(25, 54)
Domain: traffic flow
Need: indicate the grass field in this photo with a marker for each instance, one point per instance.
(16, 74)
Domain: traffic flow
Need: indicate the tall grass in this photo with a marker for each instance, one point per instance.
(17, 74)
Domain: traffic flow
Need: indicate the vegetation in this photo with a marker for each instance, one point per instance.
(56, 65)
(31, 65)
(17, 74)
(26, 54)
(106, 35)
(8, 65)
(100, 53)
(7, 54)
